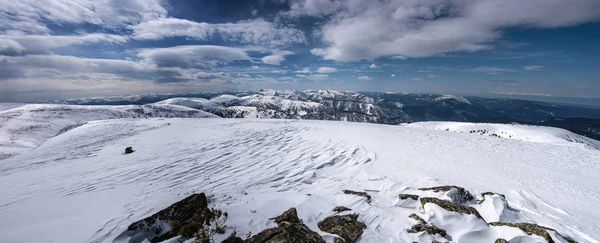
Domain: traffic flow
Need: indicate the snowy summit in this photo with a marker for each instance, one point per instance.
(257, 169)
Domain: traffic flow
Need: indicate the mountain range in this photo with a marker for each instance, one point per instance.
(372, 107)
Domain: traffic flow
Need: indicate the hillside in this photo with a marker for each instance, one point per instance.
(256, 169)
(27, 126)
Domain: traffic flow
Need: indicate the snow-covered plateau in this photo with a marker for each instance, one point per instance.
(67, 178)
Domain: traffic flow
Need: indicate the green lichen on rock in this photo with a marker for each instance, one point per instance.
(346, 226)
(431, 229)
(362, 194)
(440, 188)
(417, 218)
(530, 229)
(290, 230)
(407, 196)
(450, 206)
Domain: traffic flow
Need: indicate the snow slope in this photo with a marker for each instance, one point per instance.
(251, 106)
(538, 134)
(80, 187)
(8, 106)
(26, 127)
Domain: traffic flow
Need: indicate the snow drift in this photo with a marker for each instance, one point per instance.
(80, 187)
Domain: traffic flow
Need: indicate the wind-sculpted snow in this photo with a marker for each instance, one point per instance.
(26, 127)
(79, 186)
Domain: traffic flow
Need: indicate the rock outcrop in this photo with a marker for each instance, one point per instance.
(346, 226)
(290, 229)
(361, 194)
(155, 227)
(450, 206)
(457, 194)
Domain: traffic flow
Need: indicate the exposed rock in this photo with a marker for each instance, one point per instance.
(417, 218)
(346, 226)
(340, 209)
(450, 206)
(362, 194)
(490, 194)
(129, 150)
(407, 196)
(289, 233)
(293, 231)
(181, 211)
(427, 228)
(500, 240)
(233, 239)
(456, 193)
(289, 216)
(535, 229)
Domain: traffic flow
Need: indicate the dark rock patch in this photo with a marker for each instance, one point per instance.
(129, 150)
(290, 230)
(362, 194)
(534, 229)
(500, 240)
(181, 211)
(459, 195)
(490, 194)
(417, 218)
(430, 229)
(407, 196)
(340, 209)
(233, 239)
(450, 206)
(346, 226)
(289, 216)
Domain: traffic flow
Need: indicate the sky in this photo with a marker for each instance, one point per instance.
(57, 49)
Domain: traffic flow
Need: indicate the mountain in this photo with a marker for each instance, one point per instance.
(27, 126)
(403, 182)
(373, 107)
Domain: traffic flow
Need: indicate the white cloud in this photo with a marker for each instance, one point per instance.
(317, 77)
(276, 58)
(433, 76)
(304, 70)
(11, 48)
(192, 56)
(430, 27)
(533, 68)
(365, 78)
(393, 75)
(326, 70)
(373, 66)
(256, 31)
(43, 43)
(399, 57)
(417, 79)
(30, 15)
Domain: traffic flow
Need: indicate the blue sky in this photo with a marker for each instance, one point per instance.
(75, 48)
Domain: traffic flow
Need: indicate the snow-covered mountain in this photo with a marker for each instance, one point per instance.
(27, 126)
(79, 186)
(374, 107)
(529, 133)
